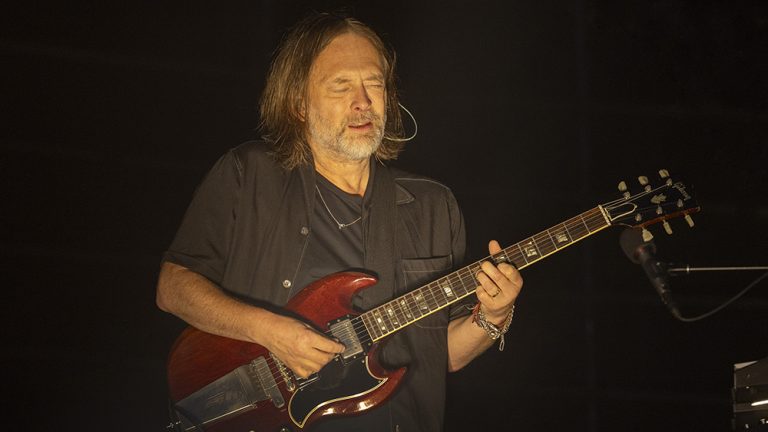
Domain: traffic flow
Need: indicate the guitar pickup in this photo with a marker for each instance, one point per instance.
(345, 332)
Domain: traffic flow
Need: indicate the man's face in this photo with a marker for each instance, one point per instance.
(345, 108)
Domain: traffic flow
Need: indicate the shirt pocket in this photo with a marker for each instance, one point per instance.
(417, 272)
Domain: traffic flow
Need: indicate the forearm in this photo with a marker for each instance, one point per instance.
(203, 305)
(466, 340)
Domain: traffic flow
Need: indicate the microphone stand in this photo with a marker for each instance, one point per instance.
(688, 269)
(675, 271)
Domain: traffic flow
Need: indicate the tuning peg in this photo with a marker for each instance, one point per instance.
(689, 219)
(623, 188)
(659, 210)
(663, 173)
(680, 203)
(667, 228)
(647, 236)
(643, 180)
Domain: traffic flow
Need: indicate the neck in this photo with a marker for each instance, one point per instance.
(349, 176)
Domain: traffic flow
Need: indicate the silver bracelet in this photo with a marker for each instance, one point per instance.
(494, 332)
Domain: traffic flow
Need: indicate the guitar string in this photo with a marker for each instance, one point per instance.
(587, 219)
(358, 323)
(538, 239)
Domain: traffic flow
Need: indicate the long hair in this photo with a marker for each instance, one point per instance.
(287, 87)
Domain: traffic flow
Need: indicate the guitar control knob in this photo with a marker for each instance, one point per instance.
(667, 228)
(689, 219)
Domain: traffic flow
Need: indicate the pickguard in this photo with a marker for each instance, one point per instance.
(336, 382)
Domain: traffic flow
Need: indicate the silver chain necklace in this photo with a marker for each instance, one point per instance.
(339, 224)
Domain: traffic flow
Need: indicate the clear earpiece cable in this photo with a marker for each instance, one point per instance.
(415, 127)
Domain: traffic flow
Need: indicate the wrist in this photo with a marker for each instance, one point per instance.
(499, 318)
(494, 331)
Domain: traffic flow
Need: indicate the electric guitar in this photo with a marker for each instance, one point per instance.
(221, 384)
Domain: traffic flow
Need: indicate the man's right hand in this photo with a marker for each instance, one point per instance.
(303, 349)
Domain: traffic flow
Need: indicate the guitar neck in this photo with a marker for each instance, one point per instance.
(419, 303)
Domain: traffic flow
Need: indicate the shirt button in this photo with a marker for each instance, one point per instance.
(286, 283)
(304, 230)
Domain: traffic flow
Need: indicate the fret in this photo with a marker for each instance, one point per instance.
(450, 295)
(459, 288)
(562, 236)
(597, 220)
(522, 254)
(413, 306)
(381, 324)
(386, 317)
(392, 315)
(585, 223)
(551, 239)
(545, 244)
(421, 302)
(406, 309)
(531, 250)
(370, 325)
(506, 255)
(428, 294)
(576, 230)
(360, 329)
(437, 294)
(402, 317)
(460, 279)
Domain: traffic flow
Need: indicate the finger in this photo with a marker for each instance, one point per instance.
(483, 295)
(489, 289)
(323, 343)
(493, 273)
(494, 247)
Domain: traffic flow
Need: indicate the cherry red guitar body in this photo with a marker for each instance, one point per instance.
(202, 372)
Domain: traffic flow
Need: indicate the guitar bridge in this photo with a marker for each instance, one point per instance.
(345, 332)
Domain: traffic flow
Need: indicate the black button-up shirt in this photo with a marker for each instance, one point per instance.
(248, 226)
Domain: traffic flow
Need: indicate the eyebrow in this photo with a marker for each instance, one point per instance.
(372, 77)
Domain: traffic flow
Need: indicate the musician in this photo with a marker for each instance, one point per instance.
(317, 196)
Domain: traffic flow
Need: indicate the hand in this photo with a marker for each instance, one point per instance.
(303, 349)
(499, 287)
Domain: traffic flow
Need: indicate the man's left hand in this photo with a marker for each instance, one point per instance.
(499, 287)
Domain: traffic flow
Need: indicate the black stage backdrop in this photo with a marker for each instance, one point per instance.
(531, 111)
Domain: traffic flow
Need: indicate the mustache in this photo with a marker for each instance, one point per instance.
(364, 118)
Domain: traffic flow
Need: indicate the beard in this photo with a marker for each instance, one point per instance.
(340, 141)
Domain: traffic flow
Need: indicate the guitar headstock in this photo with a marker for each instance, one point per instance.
(655, 202)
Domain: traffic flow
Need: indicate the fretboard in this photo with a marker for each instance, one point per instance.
(411, 307)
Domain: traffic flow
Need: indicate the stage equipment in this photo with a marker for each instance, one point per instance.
(750, 396)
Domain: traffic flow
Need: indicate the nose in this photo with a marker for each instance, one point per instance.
(361, 101)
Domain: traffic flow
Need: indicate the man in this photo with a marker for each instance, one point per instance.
(315, 199)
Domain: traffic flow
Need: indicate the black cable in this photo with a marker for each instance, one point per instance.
(724, 305)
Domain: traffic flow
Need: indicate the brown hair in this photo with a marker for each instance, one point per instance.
(286, 88)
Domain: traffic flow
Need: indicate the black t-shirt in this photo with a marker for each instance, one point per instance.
(331, 249)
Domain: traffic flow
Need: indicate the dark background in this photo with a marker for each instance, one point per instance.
(531, 111)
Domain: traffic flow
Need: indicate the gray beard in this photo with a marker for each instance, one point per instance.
(342, 145)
